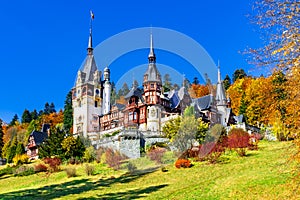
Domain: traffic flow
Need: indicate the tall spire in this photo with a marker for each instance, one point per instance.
(151, 56)
(219, 73)
(90, 43)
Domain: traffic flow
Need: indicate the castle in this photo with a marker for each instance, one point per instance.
(147, 107)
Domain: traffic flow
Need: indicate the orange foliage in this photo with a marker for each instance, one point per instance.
(197, 90)
(53, 118)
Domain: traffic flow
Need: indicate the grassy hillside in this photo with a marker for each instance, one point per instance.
(263, 174)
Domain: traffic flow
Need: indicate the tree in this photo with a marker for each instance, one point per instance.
(113, 95)
(34, 114)
(20, 149)
(14, 120)
(46, 109)
(73, 147)
(197, 90)
(238, 74)
(186, 83)
(68, 112)
(195, 81)
(167, 85)
(1, 137)
(52, 146)
(26, 116)
(171, 128)
(279, 20)
(227, 82)
(243, 105)
(52, 108)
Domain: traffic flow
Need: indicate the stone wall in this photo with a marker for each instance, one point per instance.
(130, 142)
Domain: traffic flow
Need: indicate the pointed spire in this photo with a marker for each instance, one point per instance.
(219, 72)
(151, 56)
(90, 43)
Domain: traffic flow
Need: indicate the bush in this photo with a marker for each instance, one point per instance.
(131, 167)
(74, 161)
(99, 153)
(5, 171)
(71, 172)
(89, 154)
(40, 168)
(156, 154)
(113, 158)
(53, 163)
(182, 163)
(20, 159)
(24, 171)
(215, 151)
(89, 169)
(238, 140)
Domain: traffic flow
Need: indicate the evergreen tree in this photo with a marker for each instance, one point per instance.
(52, 145)
(186, 83)
(227, 82)
(113, 94)
(26, 116)
(46, 109)
(68, 112)
(34, 114)
(52, 108)
(1, 137)
(243, 106)
(14, 120)
(238, 74)
(167, 85)
(195, 81)
(125, 89)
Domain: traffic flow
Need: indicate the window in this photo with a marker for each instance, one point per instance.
(152, 85)
(96, 104)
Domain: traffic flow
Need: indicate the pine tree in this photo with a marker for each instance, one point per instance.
(238, 74)
(14, 120)
(68, 112)
(34, 114)
(11, 151)
(52, 108)
(52, 145)
(46, 109)
(1, 137)
(26, 116)
(227, 82)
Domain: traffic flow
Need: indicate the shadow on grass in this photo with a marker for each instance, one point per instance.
(129, 194)
(80, 186)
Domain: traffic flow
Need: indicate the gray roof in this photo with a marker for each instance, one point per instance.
(119, 106)
(38, 137)
(203, 103)
(152, 74)
(135, 92)
(89, 67)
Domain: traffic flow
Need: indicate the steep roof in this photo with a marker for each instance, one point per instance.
(135, 92)
(203, 103)
(38, 137)
(89, 67)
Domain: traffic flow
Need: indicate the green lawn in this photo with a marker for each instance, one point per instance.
(263, 174)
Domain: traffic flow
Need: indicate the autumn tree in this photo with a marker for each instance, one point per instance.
(73, 147)
(279, 20)
(197, 90)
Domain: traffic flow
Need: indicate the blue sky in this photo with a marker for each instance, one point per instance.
(43, 43)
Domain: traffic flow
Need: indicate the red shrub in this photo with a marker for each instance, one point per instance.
(53, 163)
(238, 139)
(40, 168)
(182, 163)
(156, 154)
(113, 158)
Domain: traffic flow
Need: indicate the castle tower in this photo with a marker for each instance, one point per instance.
(106, 91)
(152, 93)
(221, 100)
(86, 96)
